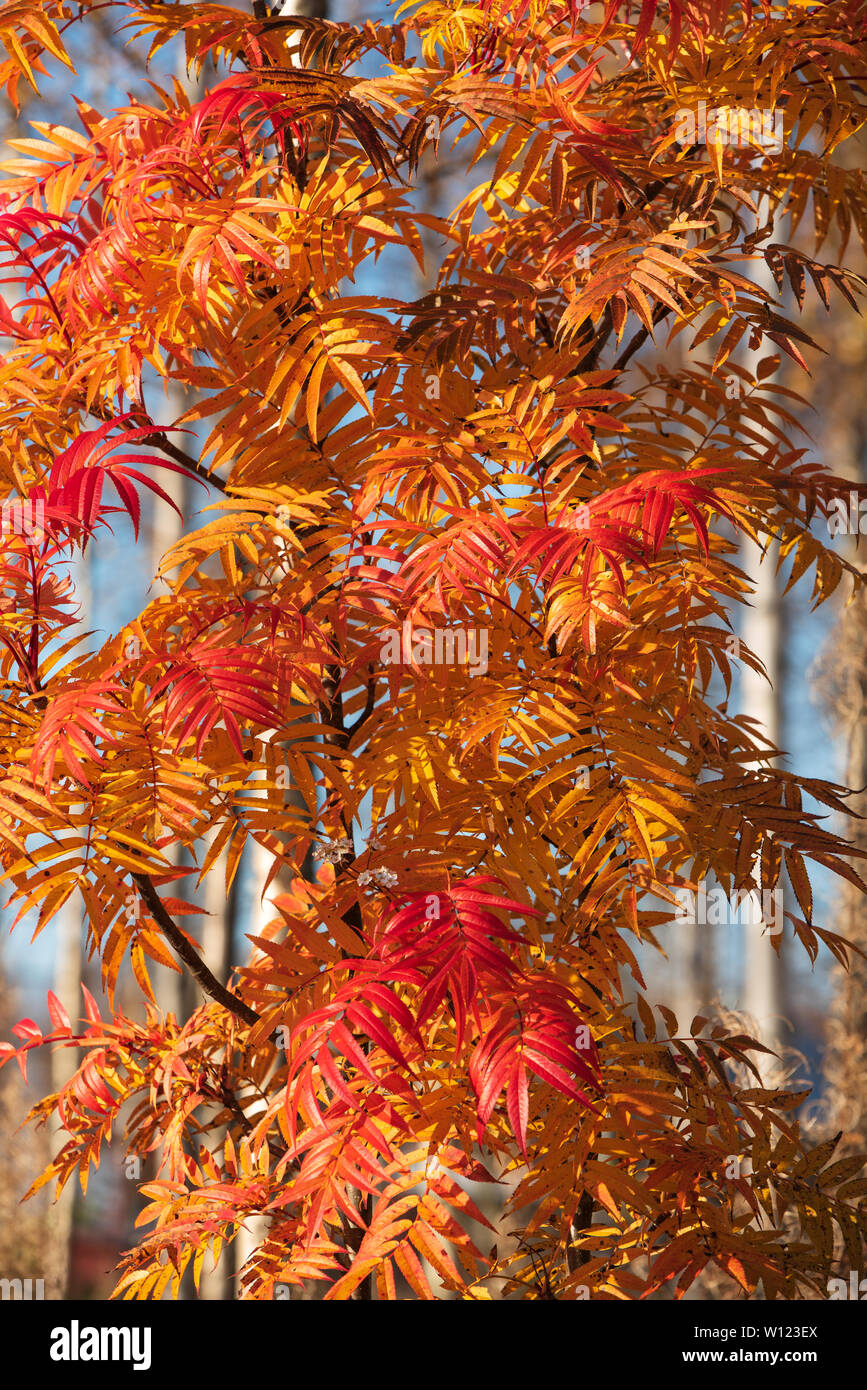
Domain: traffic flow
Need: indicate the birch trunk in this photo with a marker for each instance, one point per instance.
(761, 631)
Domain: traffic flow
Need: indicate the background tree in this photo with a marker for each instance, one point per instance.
(842, 679)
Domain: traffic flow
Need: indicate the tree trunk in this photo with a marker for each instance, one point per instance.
(259, 859)
(68, 961)
(844, 684)
(760, 699)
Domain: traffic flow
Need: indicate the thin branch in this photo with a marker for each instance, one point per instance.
(231, 1102)
(369, 704)
(179, 943)
(158, 439)
(575, 1258)
(640, 337)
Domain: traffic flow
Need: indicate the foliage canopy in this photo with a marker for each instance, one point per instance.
(513, 455)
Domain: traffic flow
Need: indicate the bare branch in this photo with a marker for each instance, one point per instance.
(188, 955)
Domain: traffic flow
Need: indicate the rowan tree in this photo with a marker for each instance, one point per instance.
(466, 589)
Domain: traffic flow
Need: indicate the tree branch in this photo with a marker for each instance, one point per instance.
(583, 1221)
(158, 439)
(179, 943)
(368, 705)
(640, 336)
(332, 715)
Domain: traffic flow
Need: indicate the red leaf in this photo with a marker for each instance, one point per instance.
(59, 1016)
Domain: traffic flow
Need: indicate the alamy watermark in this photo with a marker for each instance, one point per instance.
(738, 126)
(714, 907)
(23, 518)
(22, 1289)
(77, 1343)
(848, 516)
(442, 647)
(855, 1290)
